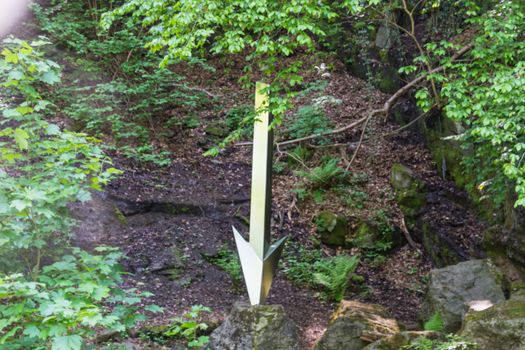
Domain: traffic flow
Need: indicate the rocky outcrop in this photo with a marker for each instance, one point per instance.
(354, 325)
(410, 191)
(332, 228)
(260, 327)
(453, 289)
(501, 326)
(396, 341)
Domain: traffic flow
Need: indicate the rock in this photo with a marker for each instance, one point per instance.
(452, 289)
(261, 327)
(410, 191)
(501, 326)
(375, 235)
(332, 228)
(217, 129)
(396, 341)
(98, 220)
(384, 37)
(354, 325)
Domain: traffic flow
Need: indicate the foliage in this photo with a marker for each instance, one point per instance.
(228, 261)
(435, 323)
(482, 93)
(453, 342)
(189, 328)
(44, 168)
(324, 175)
(262, 32)
(49, 304)
(241, 118)
(64, 304)
(310, 268)
(334, 275)
(138, 99)
(309, 120)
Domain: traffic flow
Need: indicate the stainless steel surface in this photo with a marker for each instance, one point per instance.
(258, 258)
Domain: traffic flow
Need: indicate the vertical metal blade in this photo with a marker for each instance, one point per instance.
(261, 196)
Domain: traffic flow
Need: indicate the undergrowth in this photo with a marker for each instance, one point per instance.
(125, 95)
(311, 268)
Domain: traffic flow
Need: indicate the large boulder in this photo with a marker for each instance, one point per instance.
(451, 290)
(260, 327)
(354, 325)
(396, 341)
(501, 326)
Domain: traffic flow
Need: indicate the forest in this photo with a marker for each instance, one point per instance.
(368, 154)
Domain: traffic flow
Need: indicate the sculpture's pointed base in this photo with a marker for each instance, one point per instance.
(258, 273)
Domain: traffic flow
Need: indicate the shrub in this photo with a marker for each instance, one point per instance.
(47, 303)
(190, 328)
(334, 275)
(309, 120)
(325, 175)
(65, 303)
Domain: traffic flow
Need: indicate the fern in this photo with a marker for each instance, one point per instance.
(324, 175)
(334, 274)
(435, 323)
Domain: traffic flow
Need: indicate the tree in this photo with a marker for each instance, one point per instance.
(475, 78)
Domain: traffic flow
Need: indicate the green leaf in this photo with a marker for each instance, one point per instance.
(154, 308)
(21, 137)
(67, 342)
(32, 331)
(50, 77)
(52, 129)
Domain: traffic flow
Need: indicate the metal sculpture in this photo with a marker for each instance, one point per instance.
(258, 257)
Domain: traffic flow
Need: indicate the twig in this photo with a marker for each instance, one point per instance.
(381, 111)
(195, 88)
(412, 122)
(408, 237)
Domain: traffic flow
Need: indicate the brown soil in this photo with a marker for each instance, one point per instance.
(190, 206)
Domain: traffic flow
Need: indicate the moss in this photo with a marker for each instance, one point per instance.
(120, 216)
(217, 129)
(439, 252)
(410, 191)
(332, 228)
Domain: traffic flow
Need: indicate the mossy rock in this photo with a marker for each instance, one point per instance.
(442, 250)
(354, 325)
(410, 191)
(501, 326)
(370, 236)
(261, 327)
(332, 228)
(217, 129)
(452, 291)
(398, 340)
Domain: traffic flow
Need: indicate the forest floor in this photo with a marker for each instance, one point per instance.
(171, 222)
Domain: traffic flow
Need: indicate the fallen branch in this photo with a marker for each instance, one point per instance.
(409, 239)
(195, 88)
(386, 106)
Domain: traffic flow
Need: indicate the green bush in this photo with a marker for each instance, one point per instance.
(334, 274)
(435, 323)
(309, 120)
(309, 268)
(52, 296)
(452, 342)
(190, 328)
(64, 305)
(133, 107)
(324, 175)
